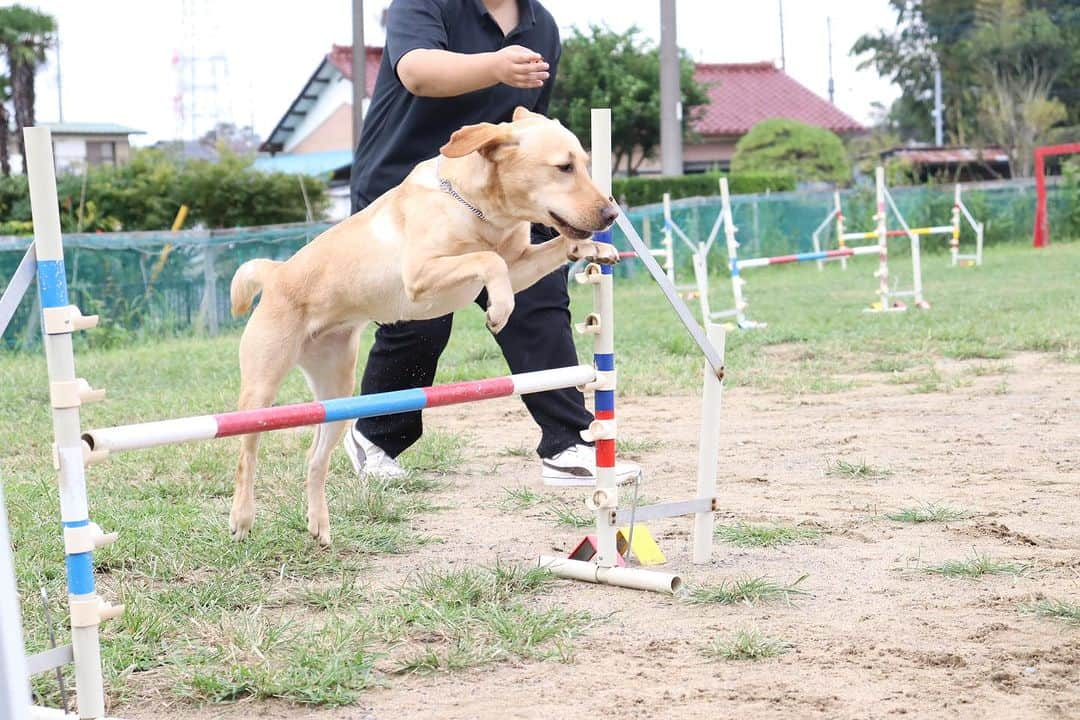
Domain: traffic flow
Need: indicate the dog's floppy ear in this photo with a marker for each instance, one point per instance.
(482, 137)
(523, 113)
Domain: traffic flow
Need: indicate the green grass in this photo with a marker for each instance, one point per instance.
(748, 535)
(747, 644)
(1067, 612)
(858, 470)
(187, 584)
(927, 513)
(975, 566)
(522, 498)
(516, 451)
(745, 591)
(569, 514)
(636, 448)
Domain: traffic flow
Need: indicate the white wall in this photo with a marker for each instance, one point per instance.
(337, 92)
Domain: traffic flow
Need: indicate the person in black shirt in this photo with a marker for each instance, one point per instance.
(446, 64)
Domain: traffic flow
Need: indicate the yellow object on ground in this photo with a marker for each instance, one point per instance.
(642, 545)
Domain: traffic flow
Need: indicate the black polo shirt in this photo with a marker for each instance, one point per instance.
(401, 129)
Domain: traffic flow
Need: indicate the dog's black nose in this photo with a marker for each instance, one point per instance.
(608, 214)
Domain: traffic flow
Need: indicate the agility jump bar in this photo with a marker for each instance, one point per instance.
(242, 422)
(807, 257)
(935, 230)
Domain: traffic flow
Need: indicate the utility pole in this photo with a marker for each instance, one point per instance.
(671, 159)
(783, 60)
(832, 90)
(939, 111)
(59, 84)
(359, 71)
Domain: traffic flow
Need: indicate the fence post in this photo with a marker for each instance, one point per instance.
(208, 310)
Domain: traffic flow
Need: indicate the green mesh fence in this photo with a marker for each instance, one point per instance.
(154, 283)
(783, 223)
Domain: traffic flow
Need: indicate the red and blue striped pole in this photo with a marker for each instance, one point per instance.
(242, 422)
(603, 430)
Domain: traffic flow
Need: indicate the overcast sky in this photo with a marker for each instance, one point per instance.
(116, 56)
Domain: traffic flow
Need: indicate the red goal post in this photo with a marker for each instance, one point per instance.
(1042, 226)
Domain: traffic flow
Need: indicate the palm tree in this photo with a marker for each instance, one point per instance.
(25, 34)
(5, 126)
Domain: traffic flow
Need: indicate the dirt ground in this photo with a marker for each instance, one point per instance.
(875, 637)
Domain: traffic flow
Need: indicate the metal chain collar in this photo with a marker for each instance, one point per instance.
(449, 190)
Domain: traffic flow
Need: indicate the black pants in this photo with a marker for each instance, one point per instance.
(537, 337)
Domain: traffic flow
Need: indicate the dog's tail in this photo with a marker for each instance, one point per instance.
(248, 282)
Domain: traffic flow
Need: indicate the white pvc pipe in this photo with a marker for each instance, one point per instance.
(839, 212)
(701, 279)
(60, 361)
(863, 250)
(916, 257)
(708, 449)
(14, 686)
(975, 225)
(138, 436)
(733, 254)
(554, 379)
(753, 263)
(633, 578)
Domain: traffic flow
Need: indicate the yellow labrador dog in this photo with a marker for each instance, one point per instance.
(458, 223)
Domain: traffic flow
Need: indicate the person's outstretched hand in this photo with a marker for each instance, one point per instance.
(520, 67)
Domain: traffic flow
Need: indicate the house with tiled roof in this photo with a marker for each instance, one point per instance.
(315, 133)
(743, 94)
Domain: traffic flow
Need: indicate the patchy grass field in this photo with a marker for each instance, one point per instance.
(898, 533)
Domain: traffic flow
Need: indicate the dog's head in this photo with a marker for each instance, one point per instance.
(541, 172)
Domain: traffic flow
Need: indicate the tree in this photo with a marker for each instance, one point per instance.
(231, 137)
(805, 151)
(621, 71)
(1010, 69)
(1021, 53)
(5, 126)
(25, 34)
(926, 30)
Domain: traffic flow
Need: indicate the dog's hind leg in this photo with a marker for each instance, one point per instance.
(329, 364)
(268, 350)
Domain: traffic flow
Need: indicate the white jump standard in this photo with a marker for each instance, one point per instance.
(952, 229)
(74, 449)
(886, 295)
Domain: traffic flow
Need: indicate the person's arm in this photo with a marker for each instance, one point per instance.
(441, 73)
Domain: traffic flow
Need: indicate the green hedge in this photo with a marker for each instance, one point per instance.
(145, 193)
(636, 191)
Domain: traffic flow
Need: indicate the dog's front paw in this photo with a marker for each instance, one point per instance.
(498, 314)
(602, 253)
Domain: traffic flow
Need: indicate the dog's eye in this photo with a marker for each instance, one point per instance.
(567, 168)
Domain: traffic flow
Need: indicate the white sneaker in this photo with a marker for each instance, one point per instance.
(576, 466)
(368, 459)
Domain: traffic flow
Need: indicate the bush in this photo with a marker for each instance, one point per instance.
(805, 151)
(145, 194)
(1070, 169)
(635, 191)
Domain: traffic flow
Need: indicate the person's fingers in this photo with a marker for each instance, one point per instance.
(524, 55)
(530, 66)
(529, 81)
(522, 73)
